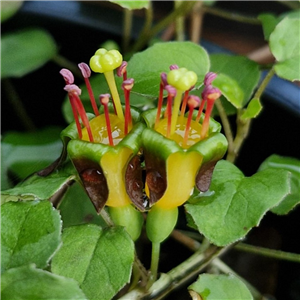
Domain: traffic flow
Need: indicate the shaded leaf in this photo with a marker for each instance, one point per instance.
(39, 187)
(213, 287)
(27, 282)
(101, 256)
(285, 46)
(132, 4)
(9, 8)
(235, 203)
(269, 22)
(240, 69)
(30, 233)
(292, 165)
(25, 51)
(253, 109)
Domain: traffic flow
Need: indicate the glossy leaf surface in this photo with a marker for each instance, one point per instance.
(27, 282)
(276, 162)
(101, 255)
(25, 51)
(235, 203)
(212, 287)
(30, 233)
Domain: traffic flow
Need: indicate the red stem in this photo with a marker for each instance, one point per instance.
(128, 120)
(205, 125)
(106, 113)
(92, 98)
(188, 125)
(73, 105)
(184, 102)
(169, 114)
(159, 105)
(200, 111)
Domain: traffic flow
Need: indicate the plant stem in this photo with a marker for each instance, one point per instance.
(65, 63)
(127, 28)
(196, 22)
(278, 254)
(182, 10)
(106, 217)
(179, 23)
(231, 16)
(154, 262)
(243, 126)
(17, 105)
(225, 123)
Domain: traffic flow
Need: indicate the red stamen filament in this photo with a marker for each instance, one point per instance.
(159, 105)
(200, 111)
(92, 98)
(169, 114)
(205, 124)
(184, 103)
(74, 110)
(127, 86)
(104, 99)
(193, 102)
(83, 116)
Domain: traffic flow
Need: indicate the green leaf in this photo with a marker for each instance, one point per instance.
(146, 66)
(30, 233)
(285, 46)
(40, 187)
(27, 282)
(132, 4)
(9, 8)
(269, 22)
(235, 203)
(217, 287)
(101, 256)
(25, 51)
(276, 162)
(253, 109)
(25, 153)
(240, 69)
(77, 201)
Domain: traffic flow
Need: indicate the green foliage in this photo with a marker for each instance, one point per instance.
(253, 109)
(27, 282)
(20, 57)
(212, 287)
(276, 163)
(236, 203)
(286, 48)
(30, 233)
(94, 256)
(132, 4)
(9, 8)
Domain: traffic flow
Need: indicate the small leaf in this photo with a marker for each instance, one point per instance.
(236, 203)
(132, 4)
(292, 165)
(269, 22)
(27, 282)
(239, 68)
(39, 187)
(103, 259)
(213, 287)
(285, 46)
(253, 109)
(30, 233)
(9, 8)
(25, 51)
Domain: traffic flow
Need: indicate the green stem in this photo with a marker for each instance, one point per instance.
(179, 23)
(127, 28)
(17, 105)
(65, 63)
(231, 16)
(106, 217)
(182, 10)
(154, 262)
(243, 126)
(278, 254)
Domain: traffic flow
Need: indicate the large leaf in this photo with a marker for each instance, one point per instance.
(25, 153)
(292, 165)
(235, 203)
(218, 287)
(132, 4)
(285, 46)
(25, 51)
(98, 259)
(9, 8)
(241, 70)
(146, 66)
(27, 282)
(40, 187)
(30, 233)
